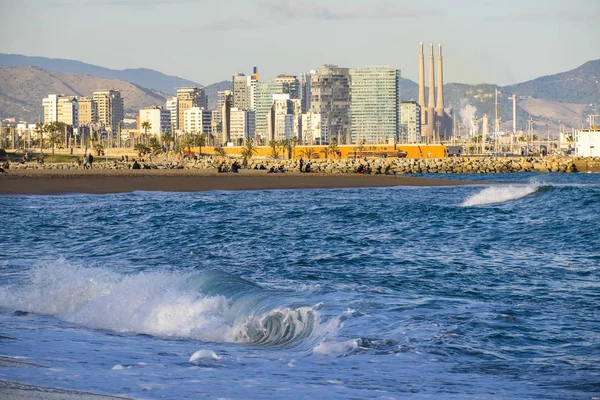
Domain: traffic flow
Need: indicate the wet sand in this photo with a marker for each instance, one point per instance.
(122, 181)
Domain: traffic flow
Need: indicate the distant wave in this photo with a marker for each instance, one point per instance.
(209, 306)
(499, 194)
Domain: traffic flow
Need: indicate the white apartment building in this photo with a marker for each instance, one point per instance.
(50, 104)
(410, 125)
(159, 119)
(242, 125)
(67, 111)
(285, 119)
(197, 120)
(172, 107)
(60, 108)
(313, 131)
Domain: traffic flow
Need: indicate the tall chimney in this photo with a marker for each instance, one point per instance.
(514, 96)
(431, 99)
(440, 85)
(422, 90)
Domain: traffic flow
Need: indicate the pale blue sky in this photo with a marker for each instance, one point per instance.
(494, 41)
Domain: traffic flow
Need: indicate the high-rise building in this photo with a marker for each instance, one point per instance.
(285, 118)
(330, 97)
(305, 80)
(110, 108)
(68, 110)
(187, 98)
(410, 125)
(375, 104)
(222, 98)
(288, 84)
(197, 120)
(88, 111)
(159, 119)
(262, 106)
(173, 109)
(312, 129)
(50, 104)
(241, 125)
(60, 108)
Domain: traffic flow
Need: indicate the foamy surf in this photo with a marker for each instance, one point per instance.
(166, 304)
(499, 194)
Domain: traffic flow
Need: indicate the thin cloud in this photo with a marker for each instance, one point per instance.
(545, 16)
(314, 9)
(225, 25)
(119, 3)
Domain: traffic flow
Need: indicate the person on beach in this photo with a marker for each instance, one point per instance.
(85, 161)
(245, 163)
(91, 160)
(235, 167)
(222, 167)
(301, 162)
(307, 168)
(135, 165)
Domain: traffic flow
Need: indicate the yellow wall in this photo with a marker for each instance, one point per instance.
(414, 151)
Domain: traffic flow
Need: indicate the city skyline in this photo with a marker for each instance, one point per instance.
(483, 41)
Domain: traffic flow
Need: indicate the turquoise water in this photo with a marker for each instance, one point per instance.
(470, 292)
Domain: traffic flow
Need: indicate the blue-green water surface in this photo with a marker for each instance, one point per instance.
(467, 292)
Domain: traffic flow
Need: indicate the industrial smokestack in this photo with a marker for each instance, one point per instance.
(431, 99)
(514, 96)
(422, 90)
(440, 85)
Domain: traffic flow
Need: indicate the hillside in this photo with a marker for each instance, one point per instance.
(143, 77)
(22, 91)
(580, 85)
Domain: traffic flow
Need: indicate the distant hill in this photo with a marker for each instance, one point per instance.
(143, 77)
(580, 85)
(22, 90)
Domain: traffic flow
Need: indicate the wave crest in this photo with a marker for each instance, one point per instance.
(163, 304)
(499, 194)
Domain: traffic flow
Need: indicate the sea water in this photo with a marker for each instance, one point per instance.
(467, 292)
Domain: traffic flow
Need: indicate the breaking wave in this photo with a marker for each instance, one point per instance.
(211, 306)
(499, 194)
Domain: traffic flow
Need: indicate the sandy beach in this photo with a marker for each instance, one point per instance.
(123, 181)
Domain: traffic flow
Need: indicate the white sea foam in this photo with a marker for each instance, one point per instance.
(499, 194)
(159, 303)
(333, 348)
(204, 354)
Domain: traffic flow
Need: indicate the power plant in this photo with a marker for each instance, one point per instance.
(434, 120)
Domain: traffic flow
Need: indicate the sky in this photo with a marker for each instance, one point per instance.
(484, 41)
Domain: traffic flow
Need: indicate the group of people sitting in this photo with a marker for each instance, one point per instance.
(304, 168)
(235, 167)
(367, 170)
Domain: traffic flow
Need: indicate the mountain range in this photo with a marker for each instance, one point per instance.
(567, 96)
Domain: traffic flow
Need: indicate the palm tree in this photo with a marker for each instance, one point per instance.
(187, 143)
(249, 149)
(141, 149)
(220, 151)
(40, 129)
(146, 125)
(167, 138)
(286, 144)
(99, 149)
(274, 144)
(154, 144)
(309, 153)
(333, 147)
(54, 137)
(200, 141)
(295, 142)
